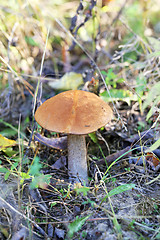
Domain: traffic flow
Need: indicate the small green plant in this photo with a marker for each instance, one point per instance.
(141, 126)
(34, 174)
(40, 181)
(113, 80)
(76, 225)
(81, 189)
(66, 193)
(84, 234)
(38, 178)
(132, 224)
(152, 100)
(92, 203)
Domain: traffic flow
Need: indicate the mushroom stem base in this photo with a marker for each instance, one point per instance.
(77, 158)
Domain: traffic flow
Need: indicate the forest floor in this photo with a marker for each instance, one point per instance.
(111, 49)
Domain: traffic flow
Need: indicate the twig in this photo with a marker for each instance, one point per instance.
(39, 83)
(22, 215)
(58, 143)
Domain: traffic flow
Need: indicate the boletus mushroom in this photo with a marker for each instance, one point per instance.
(75, 113)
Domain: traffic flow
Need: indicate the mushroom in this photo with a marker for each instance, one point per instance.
(75, 113)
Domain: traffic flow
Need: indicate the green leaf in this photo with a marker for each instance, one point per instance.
(35, 168)
(118, 94)
(120, 80)
(40, 181)
(154, 146)
(152, 99)
(14, 128)
(153, 54)
(154, 43)
(3, 170)
(30, 41)
(111, 78)
(110, 75)
(93, 137)
(118, 190)
(8, 132)
(152, 95)
(83, 190)
(35, 182)
(24, 176)
(104, 73)
(7, 175)
(121, 189)
(53, 204)
(9, 151)
(14, 165)
(76, 225)
(141, 84)
(90, 202)
(153, 108)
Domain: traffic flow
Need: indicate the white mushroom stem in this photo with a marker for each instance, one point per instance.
(77, 158)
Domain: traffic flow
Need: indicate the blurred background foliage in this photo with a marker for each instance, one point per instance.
(122, 37)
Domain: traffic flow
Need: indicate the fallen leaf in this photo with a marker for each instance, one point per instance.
(5, 143)
(59, 233)
(152, 159)
(69, 81)
(60, 163)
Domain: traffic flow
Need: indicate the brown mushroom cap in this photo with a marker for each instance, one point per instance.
(74, 112)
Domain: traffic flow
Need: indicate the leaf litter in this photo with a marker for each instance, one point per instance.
(121, 202)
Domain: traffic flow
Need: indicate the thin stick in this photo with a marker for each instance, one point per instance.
(39, 83)
(22, 215)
